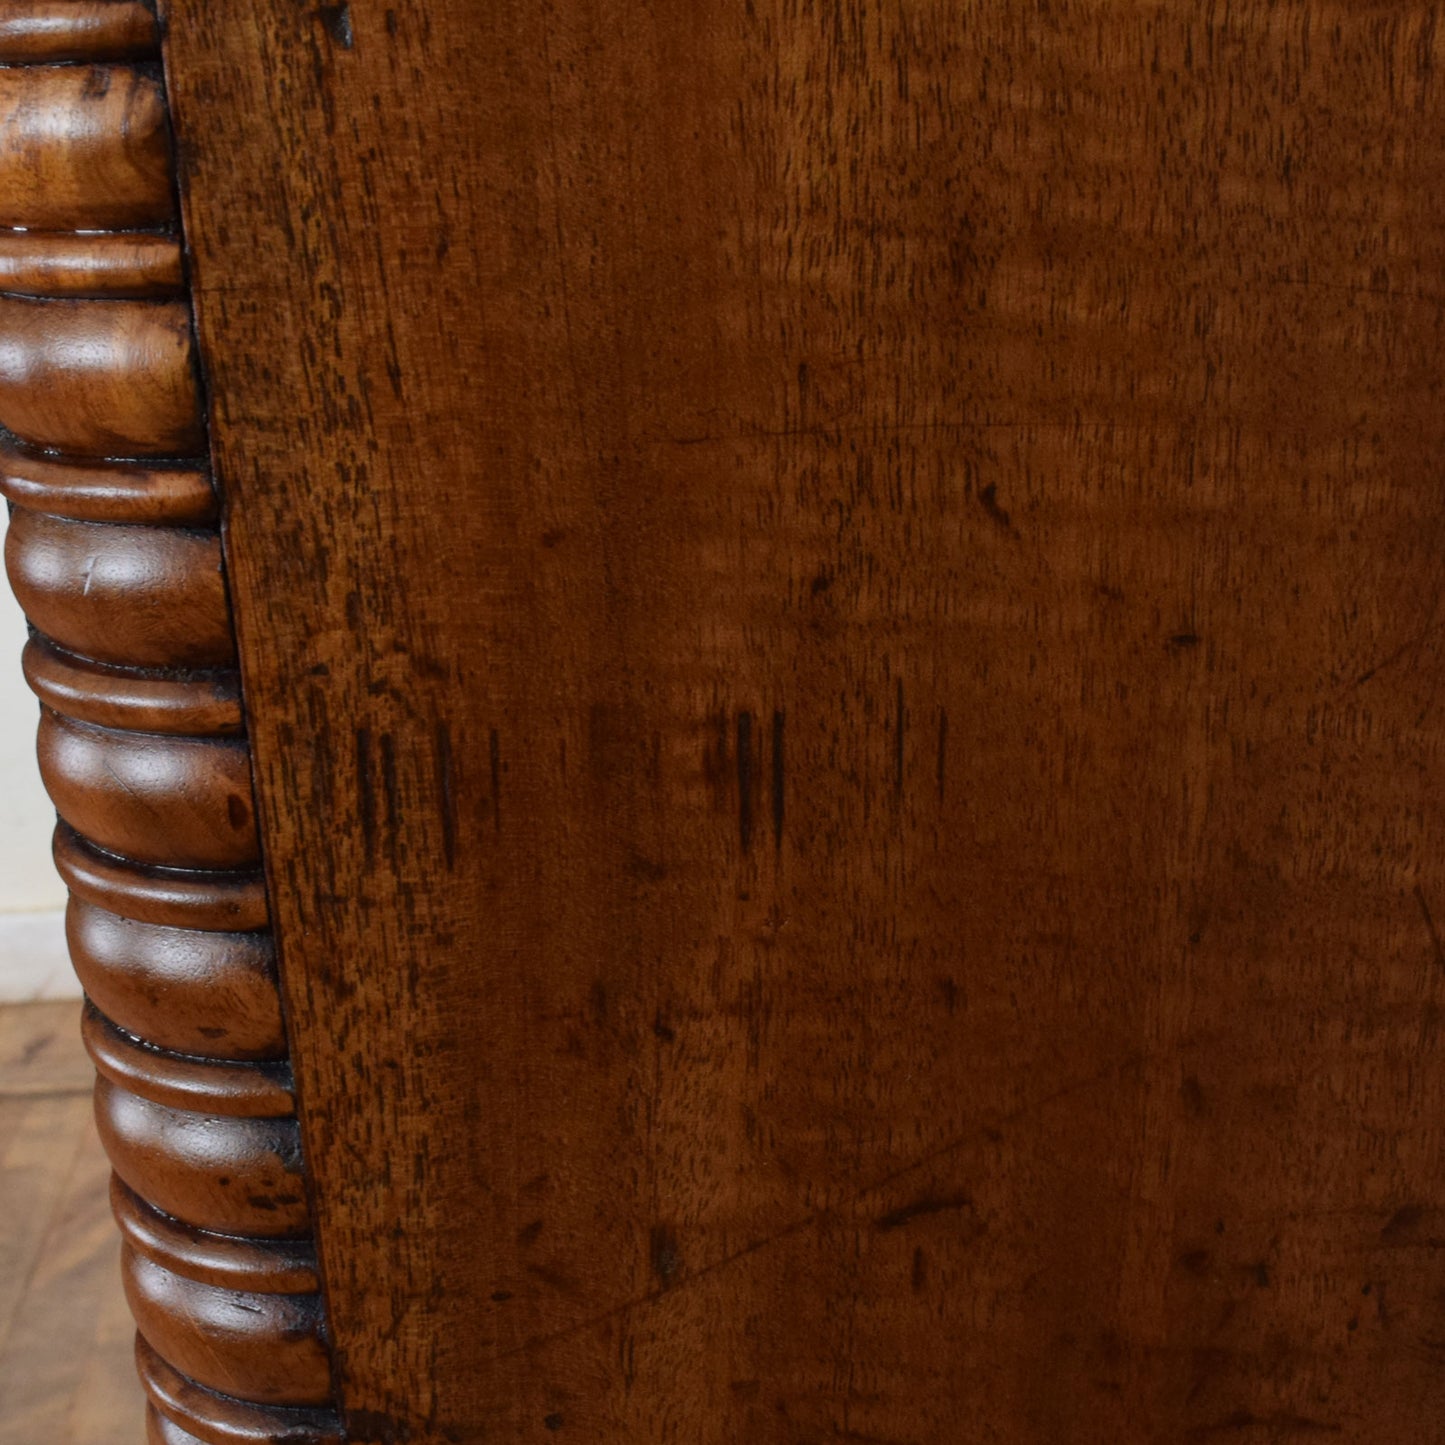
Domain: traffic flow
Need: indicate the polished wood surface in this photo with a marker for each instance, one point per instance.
(90, 30)
(96, 379)
(95, 591)
(104, 263)
(114, 549)
(82, 147)
(164, 983)
(838, 603)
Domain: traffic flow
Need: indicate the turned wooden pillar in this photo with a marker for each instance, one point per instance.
(114, 550)
(744, 702)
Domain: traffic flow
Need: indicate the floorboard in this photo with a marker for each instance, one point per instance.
(66, 1376)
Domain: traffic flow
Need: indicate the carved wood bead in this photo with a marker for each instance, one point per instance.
(104, 264)
(202, 993)
(272, 1266)
(182, 802)
(125, 492)
(213, 1419)
(114, 552)
(232, 1176)
(204, 704)
(55, 30)
(83, 148)
(135, 596)
(264, 1348)
(239, 1089)
(159, 895)
(160, 1431)
(100, 378)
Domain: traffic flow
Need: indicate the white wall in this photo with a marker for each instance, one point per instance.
(32, 962)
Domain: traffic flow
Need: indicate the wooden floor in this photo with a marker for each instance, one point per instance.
(66, 1376)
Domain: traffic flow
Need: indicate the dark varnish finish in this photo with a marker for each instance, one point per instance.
(1033, 1036)
(114, 551)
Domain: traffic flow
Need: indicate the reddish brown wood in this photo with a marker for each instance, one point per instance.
(118, 564)
(91, 265)
(269, 1348)
(208, 704)
(121, 492)
(99, 378)
(183, 802)
(218, 1420)
(838, 607)
(59, 30)
(143, 596)
(161, 1431)
(228, 1175)
(83, 147)
(238, 1088)
(179, 899)
(208, 993)
(272, 1266)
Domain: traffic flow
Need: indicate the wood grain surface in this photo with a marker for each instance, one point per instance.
(82, 147)
(99, 380)
(840, 604)
(62, 30)
(114, 551)
(90, 264)
(65, 1335)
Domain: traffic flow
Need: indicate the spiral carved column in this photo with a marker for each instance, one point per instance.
(114, 551)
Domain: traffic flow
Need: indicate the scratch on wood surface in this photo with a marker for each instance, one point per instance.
(816, 1217)
(779, 779)
(1430, 926)
(745, 780)
(494, 750)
